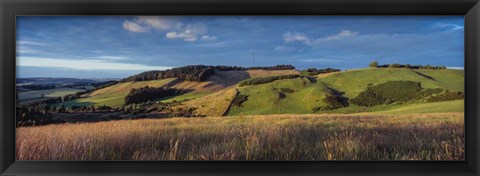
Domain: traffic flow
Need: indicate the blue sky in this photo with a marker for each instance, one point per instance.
(119, 46)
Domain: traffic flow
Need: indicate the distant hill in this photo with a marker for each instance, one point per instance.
(57, 81)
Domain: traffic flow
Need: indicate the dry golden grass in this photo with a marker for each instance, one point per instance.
(324, 75)
(273, 137)
(214, 83)
(212, 105)
(125, 87)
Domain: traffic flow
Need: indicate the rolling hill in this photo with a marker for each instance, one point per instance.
(355, 81)
(214, 95)
(297, 95)
(264, 98)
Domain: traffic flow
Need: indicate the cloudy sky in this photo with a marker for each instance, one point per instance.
(119, 46)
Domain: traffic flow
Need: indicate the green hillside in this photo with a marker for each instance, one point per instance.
(355, 81)
(267, 98)
(113, 96)
(264, 98)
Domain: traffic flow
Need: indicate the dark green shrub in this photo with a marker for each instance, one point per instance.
(333, 99)
(398, 91)
(389, 92)
(286, 90)
(428, 92)
(239, 99)
(368, 98)
(446, 96)
(147, 93)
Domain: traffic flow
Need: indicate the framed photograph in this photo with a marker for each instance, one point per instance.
(239, 88)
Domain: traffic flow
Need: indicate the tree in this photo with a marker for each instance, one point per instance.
(374, 64)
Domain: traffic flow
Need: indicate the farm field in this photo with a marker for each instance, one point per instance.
(434, 136)
(58, 92)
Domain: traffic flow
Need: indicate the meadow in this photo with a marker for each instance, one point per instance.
(433, 136)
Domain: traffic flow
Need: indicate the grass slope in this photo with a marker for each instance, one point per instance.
(186, 96)
(265, 98)
(215, 104)
(113, 96)
(355, 81)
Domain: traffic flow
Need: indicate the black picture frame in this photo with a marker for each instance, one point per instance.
(9, 9)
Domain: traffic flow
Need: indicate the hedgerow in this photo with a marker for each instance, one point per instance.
(263, 80)
(391, 91)
(333, 99)
(446, 96)
(239, 99)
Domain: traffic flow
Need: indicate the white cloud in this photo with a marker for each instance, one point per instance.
(341, 35)
(187, 33)
(172, 27)
(158, 22)
(83, 64)
(295, 37)
(26, 42)
(289, 37)
(209, 38)
(133, 27)
(282, 48)
(110, 57)
(452, 27)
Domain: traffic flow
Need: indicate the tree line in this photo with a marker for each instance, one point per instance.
(196, 73)
(315, 71)
(189, 73)
(147, 93)
(37, 87)
(237, 68)
(263, 80)
(375, 64)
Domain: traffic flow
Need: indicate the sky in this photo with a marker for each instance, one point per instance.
(120, 46)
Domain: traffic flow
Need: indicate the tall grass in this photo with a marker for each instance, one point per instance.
(273, 137)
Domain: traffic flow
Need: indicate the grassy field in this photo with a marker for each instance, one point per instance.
(58, 92)
(266, 98)
(407, 108)
(113, 96)
(436, 136)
